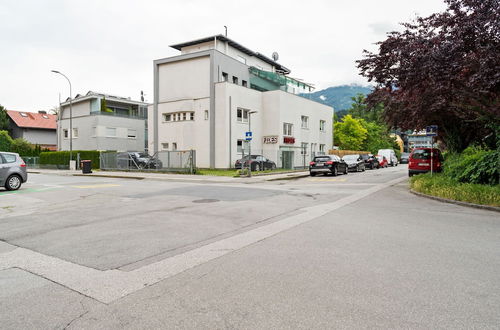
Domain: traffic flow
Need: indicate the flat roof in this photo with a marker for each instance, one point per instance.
(280, 68)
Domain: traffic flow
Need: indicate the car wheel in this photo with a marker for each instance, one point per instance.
(346, 171)
(335, 171)
(312, 174)
(257, 167)
(13, 182)
(273, 166)
(410, 174)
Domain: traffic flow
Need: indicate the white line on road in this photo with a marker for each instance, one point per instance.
(107, 286)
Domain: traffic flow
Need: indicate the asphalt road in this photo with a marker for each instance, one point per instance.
(353, 251)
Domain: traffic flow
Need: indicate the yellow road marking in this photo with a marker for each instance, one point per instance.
(328, 180)
(97, 186)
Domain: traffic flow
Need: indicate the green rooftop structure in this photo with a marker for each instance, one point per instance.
(268, 81)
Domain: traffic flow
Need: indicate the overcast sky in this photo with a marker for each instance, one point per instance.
(109, 45)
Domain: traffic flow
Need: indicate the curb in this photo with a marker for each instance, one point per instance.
(112, 176)
(291, 177)
(452, 201)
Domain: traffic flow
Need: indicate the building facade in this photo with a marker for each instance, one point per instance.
(103, 122)
(207, 98)
(36, 128)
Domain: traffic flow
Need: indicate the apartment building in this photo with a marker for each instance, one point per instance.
(103, 122)
(216, 90)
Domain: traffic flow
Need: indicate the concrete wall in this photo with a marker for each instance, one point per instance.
(79, 109)
(92, 133)
(40, 136)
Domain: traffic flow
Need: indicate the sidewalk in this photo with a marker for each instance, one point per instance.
(175, 177)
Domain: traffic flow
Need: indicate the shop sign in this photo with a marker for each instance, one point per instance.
(270, 139)
(288, 140)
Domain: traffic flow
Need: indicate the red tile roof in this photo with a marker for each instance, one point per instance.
(33, 119)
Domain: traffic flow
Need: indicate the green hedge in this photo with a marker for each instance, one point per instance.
(474, 165)
(62, 157)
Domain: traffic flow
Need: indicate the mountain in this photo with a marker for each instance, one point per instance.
(338, 97)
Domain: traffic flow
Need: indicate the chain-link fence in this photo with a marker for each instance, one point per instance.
(32, 162)
(166, 161)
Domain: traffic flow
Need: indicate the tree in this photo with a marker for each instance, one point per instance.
(377, 137)
(22, 147)
(442, 69)
(5, 141)
(350, 133)
(4, 119)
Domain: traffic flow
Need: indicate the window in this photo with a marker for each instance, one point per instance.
(45, 116)
(164, 146)
(75, 132)
(9, 158)
(244, 83)
(174, 146)
(321, 148)
(239, 146)
(206, 114)
(23, 114)
(131, 133)
(322, 125)
(225, 76)
(305, 121)
(235, 80)
(65, 132)
(303, 150)
(110, 131)
(287, 129)
(242, 115)
(178, 116)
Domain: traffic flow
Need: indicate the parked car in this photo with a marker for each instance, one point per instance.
(327, 164)
(382, 161)
(138, 160)
(405, 156)
(371, 161)
(390, 155)
(257, 162)
(12, 171)
(354, 163)
(420, 161)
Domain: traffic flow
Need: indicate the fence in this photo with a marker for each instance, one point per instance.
(164, 161)
(290, 158)
(342, 153)
(32, 162)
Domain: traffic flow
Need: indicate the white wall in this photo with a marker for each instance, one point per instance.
(78, 109)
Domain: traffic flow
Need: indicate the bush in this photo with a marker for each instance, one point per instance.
(61, 158)
(5, 141)
(473, 165)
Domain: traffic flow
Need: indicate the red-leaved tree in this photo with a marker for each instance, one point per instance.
(443, 69)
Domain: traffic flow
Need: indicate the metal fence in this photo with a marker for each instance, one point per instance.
(164, 161)
(32, 162)
(290, 158)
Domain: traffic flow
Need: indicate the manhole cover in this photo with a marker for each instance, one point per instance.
(206, 200)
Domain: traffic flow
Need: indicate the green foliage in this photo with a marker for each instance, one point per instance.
(5, 141)
(377, 137)
(4, 119)
(350, 133)
(359, 109)
(104, 106)
(22, 147)
(61, 158)
(474, 165)
(443, 186)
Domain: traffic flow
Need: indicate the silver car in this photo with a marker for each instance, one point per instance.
(12, 171)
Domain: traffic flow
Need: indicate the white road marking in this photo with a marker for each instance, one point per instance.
(110, 285)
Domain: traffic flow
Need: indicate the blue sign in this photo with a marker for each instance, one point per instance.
(248, 136)
(431, 130)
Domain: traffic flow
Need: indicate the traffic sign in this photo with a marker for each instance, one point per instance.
(248, 136)
(431, 130)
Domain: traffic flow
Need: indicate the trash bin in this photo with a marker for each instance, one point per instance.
(86, 166)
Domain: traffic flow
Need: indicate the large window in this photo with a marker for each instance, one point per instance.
(242, 115)
(322, 125)
(110, 131)
(305, 121)
(178, 116)
(287, 129)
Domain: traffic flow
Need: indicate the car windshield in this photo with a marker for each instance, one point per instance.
(422, 154)
(365, 156)
(350, 157)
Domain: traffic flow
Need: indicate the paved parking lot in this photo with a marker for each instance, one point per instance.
(307, 253)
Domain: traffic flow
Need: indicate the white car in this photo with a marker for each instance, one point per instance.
(390, 155)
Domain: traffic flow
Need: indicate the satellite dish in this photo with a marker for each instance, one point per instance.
(275, 56)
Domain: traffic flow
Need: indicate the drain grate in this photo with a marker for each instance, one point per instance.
(205, 200)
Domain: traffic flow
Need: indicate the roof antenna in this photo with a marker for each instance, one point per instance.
(225, 27)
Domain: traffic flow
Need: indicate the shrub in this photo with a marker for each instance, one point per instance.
(473, 165)
(5, 141)
(61, 158)
(22, 147)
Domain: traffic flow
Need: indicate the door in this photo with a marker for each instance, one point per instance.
(4, 169)
(287, 159)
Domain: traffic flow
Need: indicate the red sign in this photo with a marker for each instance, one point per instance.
(288, 140)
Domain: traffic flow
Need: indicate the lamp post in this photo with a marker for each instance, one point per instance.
(70, 117)
(250, 144)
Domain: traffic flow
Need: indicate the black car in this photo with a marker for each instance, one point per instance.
(371, 161)
(327, 164)
(354, 162)
(258, 163)
(405, 157)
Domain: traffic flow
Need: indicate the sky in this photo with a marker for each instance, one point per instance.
(109, 46)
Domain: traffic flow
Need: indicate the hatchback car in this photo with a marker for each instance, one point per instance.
(420, 161)
(371, 161)
(257, 162)
(12, 171)
(327, 164)
(354, 163)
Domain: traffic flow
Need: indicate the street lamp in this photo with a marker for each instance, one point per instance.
(70, 117)
(249, 145)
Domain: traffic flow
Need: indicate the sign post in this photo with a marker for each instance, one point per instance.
(432, 132)
(248, 138)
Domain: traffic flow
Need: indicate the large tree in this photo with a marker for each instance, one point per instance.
(4, 119)
(443, 70)
(349, 133)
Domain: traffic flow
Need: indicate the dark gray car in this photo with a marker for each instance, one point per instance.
(12, 171)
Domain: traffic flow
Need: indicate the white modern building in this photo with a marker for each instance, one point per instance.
(207, 98)
(103, 122)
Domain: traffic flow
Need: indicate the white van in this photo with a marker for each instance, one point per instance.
(390, 155)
